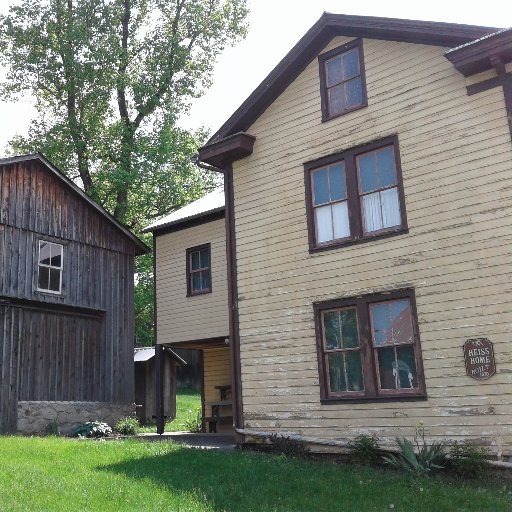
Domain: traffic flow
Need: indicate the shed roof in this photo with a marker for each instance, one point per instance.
(208, 204)
(331, 25)
(142, 248)
(143, 354)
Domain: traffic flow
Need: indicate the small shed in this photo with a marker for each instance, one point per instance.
(145, 383)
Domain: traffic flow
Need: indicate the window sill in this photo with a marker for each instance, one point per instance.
(383, 399)
(199, 293)
(344, 243)
(327, 117)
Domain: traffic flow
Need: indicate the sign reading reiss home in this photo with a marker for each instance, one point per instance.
(479, 357)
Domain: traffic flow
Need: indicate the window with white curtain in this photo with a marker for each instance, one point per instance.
(355, 195)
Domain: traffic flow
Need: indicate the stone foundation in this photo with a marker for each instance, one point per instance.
(47, 417)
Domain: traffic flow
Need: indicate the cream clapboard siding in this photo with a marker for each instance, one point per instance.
(216, 373)
(200, 317)
(456, 158)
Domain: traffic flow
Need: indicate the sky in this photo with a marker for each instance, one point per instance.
(274, 28)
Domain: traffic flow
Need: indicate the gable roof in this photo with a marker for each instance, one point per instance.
(142, 248)
(208, 205)
(331, 25)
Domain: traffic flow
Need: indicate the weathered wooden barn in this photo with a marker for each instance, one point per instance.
(66, 302)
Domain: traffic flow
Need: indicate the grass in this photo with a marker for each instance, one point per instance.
(56, 474)
(186, 400)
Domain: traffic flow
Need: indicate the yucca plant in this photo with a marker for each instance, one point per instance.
(424, 460)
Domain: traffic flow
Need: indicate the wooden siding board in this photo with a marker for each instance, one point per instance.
(456, 154)
(182, 318)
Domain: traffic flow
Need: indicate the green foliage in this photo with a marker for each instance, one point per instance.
(469, 460)
(127, 426)
(364, 449)
(424, 460)
(110, 79)
(193, 422)
(92, 429)
(289, 447)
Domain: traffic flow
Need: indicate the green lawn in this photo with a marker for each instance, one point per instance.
(186, 400)
(57, 474)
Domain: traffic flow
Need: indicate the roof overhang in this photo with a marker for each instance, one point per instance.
(143, 354)
(482, 54)
(140, 246)
(316, 38)
(188, 222)
(226, 150)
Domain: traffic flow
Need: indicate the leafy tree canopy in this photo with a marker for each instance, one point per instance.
(110, 79)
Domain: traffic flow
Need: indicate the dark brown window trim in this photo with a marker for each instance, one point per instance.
(190, 292)
(371, 393)
(349, 157)
(322, 58)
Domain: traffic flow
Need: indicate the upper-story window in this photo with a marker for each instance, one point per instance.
(342, 80)
(369, 347)
(50, 265)
(355, 195)
(199, 278)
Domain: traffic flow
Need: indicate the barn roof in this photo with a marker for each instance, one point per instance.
(142, 248)
(331, 25)
(209, 204)
(143, 354)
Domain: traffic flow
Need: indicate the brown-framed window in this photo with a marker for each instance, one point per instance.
(342, 80)
(355, 195)
(369, 348)
(199, 275)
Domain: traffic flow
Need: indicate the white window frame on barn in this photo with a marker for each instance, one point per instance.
(50, 268)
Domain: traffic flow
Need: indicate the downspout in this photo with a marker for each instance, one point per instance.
(159, 380)
(234, 332)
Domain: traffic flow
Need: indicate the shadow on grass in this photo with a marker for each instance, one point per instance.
(234, 482)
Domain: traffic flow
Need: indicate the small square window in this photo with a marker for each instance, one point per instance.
(342, 80)
(49, 268)
(368, 347)
(199, 278)
(356, 195)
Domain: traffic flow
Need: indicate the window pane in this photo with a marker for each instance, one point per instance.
(205, 258)
(336, 373)
(349, 328)
(206, 282)
(196, 281)
(333, 71)
(354, 92)
(350, 64)
(381, 324)
(341, 227)
(390, 208)
(194, 260)
(367, 174)
(54, 280)
(323, 218)
(320, 187)
(336, 99)
(406, 364)
(401, 321)
(43, 281)
(354, 371)
(386, 167)
(56, 260)
(332, 330)
(45, 253)
(372, 212)
(337, 181)
(387, 365)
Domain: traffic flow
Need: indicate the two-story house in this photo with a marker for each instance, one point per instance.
(368, 197)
